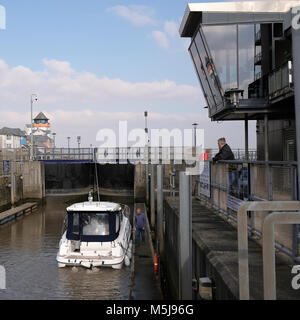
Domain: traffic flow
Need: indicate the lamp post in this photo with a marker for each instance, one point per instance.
(195, 125)
(54, 136)
(147, 155)
(69, 138)
(32, 99)
(78, 141)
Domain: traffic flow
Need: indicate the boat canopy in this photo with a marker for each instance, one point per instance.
(91, 226)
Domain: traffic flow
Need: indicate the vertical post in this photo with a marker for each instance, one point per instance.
(295, 243)
(147, 155)
(296, 66)
(246, 139)
(160, 207)
(31, 134)
(147, 174)
(237, 58)
(185, 234)
(152, 195)
(266, 138)
(12, 183)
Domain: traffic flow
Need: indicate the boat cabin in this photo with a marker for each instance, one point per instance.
(94, 221)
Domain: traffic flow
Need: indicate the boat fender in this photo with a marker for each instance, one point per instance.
(156, 264)
(127, 261)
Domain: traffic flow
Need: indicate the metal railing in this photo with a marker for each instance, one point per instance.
(64, 154)
(258, 58)
(239, 154)
(225, 186)
(131, 154)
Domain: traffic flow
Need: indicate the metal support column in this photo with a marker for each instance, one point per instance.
(185, 236)
(160, 208)
(296, 75)
(12, 183)
(269, 249)
(152, 195)
(246, 138)
(147, 177)
(266, 131)
(296, 66)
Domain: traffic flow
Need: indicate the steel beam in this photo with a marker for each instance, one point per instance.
(152, 196)
(296, 74)
(160, 207)
(185, 235)
(12, 183)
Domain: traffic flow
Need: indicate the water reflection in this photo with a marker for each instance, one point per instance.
(28, 249)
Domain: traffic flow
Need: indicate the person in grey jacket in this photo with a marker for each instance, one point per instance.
(225, 152)
(140, 225)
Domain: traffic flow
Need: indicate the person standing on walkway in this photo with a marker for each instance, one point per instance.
(140, 225)
(225, 152)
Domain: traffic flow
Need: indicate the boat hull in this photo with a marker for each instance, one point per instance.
(115, 263)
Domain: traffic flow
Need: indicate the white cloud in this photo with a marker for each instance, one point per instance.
(160, 38)
(82, 103)
(62, 67)
(171, 28)
(137, 15)
(59, 84)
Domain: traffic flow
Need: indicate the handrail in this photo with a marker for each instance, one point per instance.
(269, 265)
(243, 236)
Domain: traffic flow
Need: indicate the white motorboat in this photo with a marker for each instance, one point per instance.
(96, 234)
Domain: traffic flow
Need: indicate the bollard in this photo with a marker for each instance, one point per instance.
(185, 236)
(160, 208)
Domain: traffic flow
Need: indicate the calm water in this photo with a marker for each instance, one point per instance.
(28, 249)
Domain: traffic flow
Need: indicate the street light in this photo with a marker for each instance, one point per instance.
(195, 125)
(69, 138)
(78, 141)
(146, 155)
(195, 139)
(32, 99)
(54, 136)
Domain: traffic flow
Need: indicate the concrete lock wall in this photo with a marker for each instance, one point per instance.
(33, 180)
(12, 192)
(5, 201)
(140, 183)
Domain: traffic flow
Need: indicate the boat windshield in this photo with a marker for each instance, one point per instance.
(96, 224)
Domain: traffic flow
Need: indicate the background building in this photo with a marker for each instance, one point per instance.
(242, 55)
(12, 138)
(41, 132)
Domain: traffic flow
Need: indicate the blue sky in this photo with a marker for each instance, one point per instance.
(95, 39)
(94, 62)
